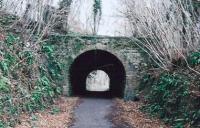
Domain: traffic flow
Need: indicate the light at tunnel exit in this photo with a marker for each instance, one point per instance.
(98, 81)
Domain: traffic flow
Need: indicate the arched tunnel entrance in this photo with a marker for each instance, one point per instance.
(93, 60)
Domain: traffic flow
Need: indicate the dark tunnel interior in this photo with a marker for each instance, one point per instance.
(97, 60)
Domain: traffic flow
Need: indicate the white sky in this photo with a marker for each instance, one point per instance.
(82, 14)
(111, 24)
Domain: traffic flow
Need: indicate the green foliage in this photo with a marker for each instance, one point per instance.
(7, 20)
(29, 56)
(196, 5)
(194, 58)
(54, 66)
(4, 85)
(169, 98)
(55, 110)
(43, 94)
(11, 39)
(10, 59)
(65, 4)
(79, 45)
(18, 90)
(48, 49)
(2, 124)
(4, 66)
(34, 117)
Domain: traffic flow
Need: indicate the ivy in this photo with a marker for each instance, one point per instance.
(48, 49)
(196, 5)
(2, 124)
(4, 66)
(4, 85)
(169, 99)
(19, 90)
(7, 20)
(194, 58)
(28, 56)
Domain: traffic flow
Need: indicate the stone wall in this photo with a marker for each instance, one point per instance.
(70, 47)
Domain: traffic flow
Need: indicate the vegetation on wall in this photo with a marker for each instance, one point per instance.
(196, 5)
(67, 47)
(174, 96)
(26, 84)
(31, 78)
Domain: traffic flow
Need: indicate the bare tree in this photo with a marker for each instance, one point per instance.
(97, 12)
(38, 17)
(65, 7)
(168, 27)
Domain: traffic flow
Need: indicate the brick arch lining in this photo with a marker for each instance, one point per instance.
(97, 60)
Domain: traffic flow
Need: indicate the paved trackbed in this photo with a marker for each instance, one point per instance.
(92, 113)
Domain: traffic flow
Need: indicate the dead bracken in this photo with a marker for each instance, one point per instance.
(129, 115)
(59, 117)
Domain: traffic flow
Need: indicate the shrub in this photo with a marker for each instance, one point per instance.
(169, 98)
(27, 84)
(194, 58)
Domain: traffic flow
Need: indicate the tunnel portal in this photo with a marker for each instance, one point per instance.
(92, 60)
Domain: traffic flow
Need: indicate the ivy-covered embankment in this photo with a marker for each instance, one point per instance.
(174, 96)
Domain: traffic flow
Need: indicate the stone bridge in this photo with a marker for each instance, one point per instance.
(119, 57)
